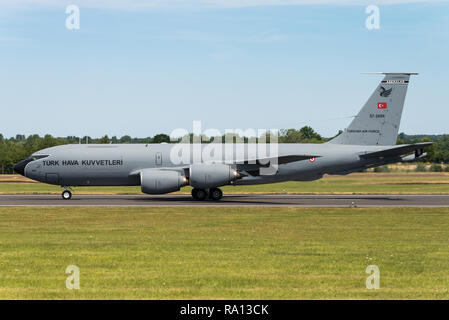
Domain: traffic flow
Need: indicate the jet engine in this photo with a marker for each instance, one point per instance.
(204, 176)
(154, 181)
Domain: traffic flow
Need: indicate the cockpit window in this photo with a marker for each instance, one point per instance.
(39, 156)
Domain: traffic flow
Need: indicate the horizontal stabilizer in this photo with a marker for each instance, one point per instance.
(396, 151)
(413, 157)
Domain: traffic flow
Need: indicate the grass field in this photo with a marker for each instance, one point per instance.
(356, 183)
(251, 253)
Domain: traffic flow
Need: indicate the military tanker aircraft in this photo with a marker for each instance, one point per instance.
(369, 141)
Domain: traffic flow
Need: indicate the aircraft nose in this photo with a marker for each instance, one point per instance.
(20, 166)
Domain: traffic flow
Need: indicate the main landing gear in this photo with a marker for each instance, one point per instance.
(202, 194)
(66, 194)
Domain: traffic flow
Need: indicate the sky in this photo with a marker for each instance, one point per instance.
(145, 67)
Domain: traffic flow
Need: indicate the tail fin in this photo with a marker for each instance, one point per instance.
(378, 121)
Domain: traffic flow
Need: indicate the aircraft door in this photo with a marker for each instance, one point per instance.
(158, 159)
(52, 178)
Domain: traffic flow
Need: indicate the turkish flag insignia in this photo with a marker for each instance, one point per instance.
(381, 105)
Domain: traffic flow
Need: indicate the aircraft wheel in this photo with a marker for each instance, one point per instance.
(66, 195)
(199, 194)
(215, 194)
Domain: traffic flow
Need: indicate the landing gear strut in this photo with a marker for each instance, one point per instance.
(66, 195)
(201, 194)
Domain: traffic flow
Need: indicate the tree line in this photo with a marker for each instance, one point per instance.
(14, 149)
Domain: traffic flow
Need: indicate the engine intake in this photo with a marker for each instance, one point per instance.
(155, 181)
(204, 176)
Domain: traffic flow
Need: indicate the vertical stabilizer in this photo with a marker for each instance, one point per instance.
(378, 121)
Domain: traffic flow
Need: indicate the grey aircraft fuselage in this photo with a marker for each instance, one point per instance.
(119, 164)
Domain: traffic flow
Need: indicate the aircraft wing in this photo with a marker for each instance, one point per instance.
(397, 151)
(280, 159)
(294, 158)
(251, 164)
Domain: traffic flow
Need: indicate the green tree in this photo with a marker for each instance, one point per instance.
(104, 140)
(159, 138)
(308, 133)
(125, 139)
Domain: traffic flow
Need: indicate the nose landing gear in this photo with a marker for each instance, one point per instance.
(66, 194)
(202, 194)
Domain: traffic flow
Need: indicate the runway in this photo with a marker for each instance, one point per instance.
(233, 200)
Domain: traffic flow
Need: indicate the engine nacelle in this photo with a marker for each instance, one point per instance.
(155, 181)
(204, 176)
